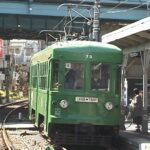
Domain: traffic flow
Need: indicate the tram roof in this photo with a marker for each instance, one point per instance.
(80, 44)
(77, 46)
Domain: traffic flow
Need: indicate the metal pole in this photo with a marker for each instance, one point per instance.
(96, 23)
(145, 83)
(123, 77)
(7, 74)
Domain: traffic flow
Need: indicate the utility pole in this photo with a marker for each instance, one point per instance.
(96, 22)
(7, 84)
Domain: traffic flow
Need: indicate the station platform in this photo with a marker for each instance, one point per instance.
(130, 139)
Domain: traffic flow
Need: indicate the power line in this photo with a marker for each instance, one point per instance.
(116, 11)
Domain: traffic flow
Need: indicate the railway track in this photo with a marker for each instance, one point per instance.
(12, 103)
(28, 139)
(5, 137)
(16, 138)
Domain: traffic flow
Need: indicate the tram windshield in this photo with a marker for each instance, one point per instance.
(74, 75)
(100, 76)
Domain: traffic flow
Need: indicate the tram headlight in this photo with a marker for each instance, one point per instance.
(109, 106)
(63, 103)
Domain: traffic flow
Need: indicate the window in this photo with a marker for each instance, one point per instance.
(74, 75)
(99, 76)
(43, 72)
(55, 74)
(34, 76)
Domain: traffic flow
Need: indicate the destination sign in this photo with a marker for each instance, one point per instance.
(87, 99)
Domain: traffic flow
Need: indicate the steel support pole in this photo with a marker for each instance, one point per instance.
(123, 77)
(96, 23)
(145, 63)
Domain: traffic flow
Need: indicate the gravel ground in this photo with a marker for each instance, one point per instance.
(28, 139)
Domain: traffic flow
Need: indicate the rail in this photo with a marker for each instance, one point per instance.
(12, 103)
(5, 136)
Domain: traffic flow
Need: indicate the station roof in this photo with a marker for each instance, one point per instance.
(133, 37)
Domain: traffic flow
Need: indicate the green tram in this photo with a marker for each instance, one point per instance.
(75, 92)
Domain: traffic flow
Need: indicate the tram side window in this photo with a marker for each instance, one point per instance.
(74, 75)
(99, 76)
(34, 82)
(34, 76)
(43, 75)
(55, 74)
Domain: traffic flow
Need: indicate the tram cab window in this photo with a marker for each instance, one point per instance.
(99, 76)
(55, 73)
(74, 75)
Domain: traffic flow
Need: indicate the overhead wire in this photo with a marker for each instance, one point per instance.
(69, 12)
(66, 16)
(112, 10)
(126, 10)
(55, 27)
(73, 19)
(120, 3)
(109, 11)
